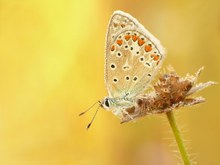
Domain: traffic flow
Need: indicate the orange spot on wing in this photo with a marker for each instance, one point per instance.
(127, 37)
(140, 42)
(113, 48)
(148, 48)
(155, 57)
(134, 38)
(119, 42)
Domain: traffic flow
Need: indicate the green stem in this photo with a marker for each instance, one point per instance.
(178, 138)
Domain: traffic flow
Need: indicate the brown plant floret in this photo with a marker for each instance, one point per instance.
(170, 92)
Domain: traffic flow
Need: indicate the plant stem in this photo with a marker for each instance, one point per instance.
(178, 137)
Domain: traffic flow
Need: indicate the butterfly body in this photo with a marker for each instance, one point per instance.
(132, 58)
(117, 105)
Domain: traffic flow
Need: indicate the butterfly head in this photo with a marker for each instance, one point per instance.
(106, 103)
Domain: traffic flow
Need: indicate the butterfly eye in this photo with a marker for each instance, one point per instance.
(107, 102)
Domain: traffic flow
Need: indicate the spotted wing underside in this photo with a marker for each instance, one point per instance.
(133, 56)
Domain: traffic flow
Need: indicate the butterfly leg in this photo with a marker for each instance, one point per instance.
(124, 112)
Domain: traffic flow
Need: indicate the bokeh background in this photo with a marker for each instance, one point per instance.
(51, 69)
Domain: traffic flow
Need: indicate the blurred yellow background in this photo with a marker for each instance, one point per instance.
(51, 68)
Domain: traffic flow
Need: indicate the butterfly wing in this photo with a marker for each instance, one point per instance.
(133, 56)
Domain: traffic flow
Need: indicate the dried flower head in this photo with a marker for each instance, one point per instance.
(170, 92)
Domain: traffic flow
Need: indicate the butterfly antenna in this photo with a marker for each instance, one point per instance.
(82, 113)
(93, 117)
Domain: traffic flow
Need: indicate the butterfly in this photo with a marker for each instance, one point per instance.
(132, 59)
